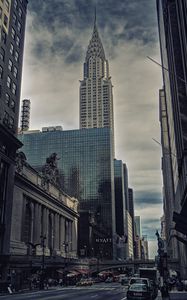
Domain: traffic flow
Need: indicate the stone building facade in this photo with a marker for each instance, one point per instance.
(44, 223)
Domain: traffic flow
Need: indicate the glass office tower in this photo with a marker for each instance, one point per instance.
(85, 165)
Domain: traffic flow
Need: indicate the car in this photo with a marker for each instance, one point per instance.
(85, 282)
(140, 281)
(109, 280)
(125, 281)
(139, 291)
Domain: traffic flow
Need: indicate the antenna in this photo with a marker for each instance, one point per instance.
(95, 15)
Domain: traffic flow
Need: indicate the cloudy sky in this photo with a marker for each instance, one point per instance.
(57, 36)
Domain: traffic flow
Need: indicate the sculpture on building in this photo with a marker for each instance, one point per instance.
(50, 172)
(20, 162)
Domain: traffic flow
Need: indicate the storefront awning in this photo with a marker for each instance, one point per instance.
(72, 273)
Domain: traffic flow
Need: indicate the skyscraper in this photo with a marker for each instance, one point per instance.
(96, 97)
(86, 170)
(12, 20)
(138, 227)
(172, 20)
(25, 115)
(12, 31)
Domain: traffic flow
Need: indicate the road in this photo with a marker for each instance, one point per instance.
(101, 291)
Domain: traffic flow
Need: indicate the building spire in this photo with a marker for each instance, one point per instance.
(95, 16)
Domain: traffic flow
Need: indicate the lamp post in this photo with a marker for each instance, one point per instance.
(65, 245)
(43, 238)
(33, 253)
(162, 259)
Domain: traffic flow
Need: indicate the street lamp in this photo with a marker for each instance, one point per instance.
(33, 253)
(65, 245)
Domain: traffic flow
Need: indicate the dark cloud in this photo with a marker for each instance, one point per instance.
(121, 19)
(147, 198)
(75, 55)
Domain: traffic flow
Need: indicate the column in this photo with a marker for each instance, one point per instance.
(32, 223)
(45, 223)
(74, 236)
(56, 232)
(37, 223)
(62, 232)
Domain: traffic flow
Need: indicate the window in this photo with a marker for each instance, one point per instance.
(16, 56)
(19, 26)
(14, 88)
(2, 54)
(8, 82)
(5, 118)
(17, 41)
(27, 221)
(15, 4)
(5, 20)
(11, 49)
(3, 36)
(11, 122)
(7, 99)
(15, 72)
(13, 33)
(1, 72)
(10, 65)
(14, 19)
(12, 105)
(7, 5)
(20, 12)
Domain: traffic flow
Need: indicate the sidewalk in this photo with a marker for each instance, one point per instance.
(26, 291)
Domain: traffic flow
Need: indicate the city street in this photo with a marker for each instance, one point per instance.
(102, 291)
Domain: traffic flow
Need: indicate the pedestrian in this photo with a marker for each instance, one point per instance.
(165, 292)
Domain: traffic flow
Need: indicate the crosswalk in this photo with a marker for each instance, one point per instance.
(93, 287)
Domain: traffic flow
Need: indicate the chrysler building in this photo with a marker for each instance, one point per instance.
(96, 98)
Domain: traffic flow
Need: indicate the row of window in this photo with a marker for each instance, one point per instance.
(14, 53)
(11, 85)
(9, 102)
(17, 23)
(6, 4)
(8, 120)
(20, 13)
(15, 37)
(5, 18)
(11, 68)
